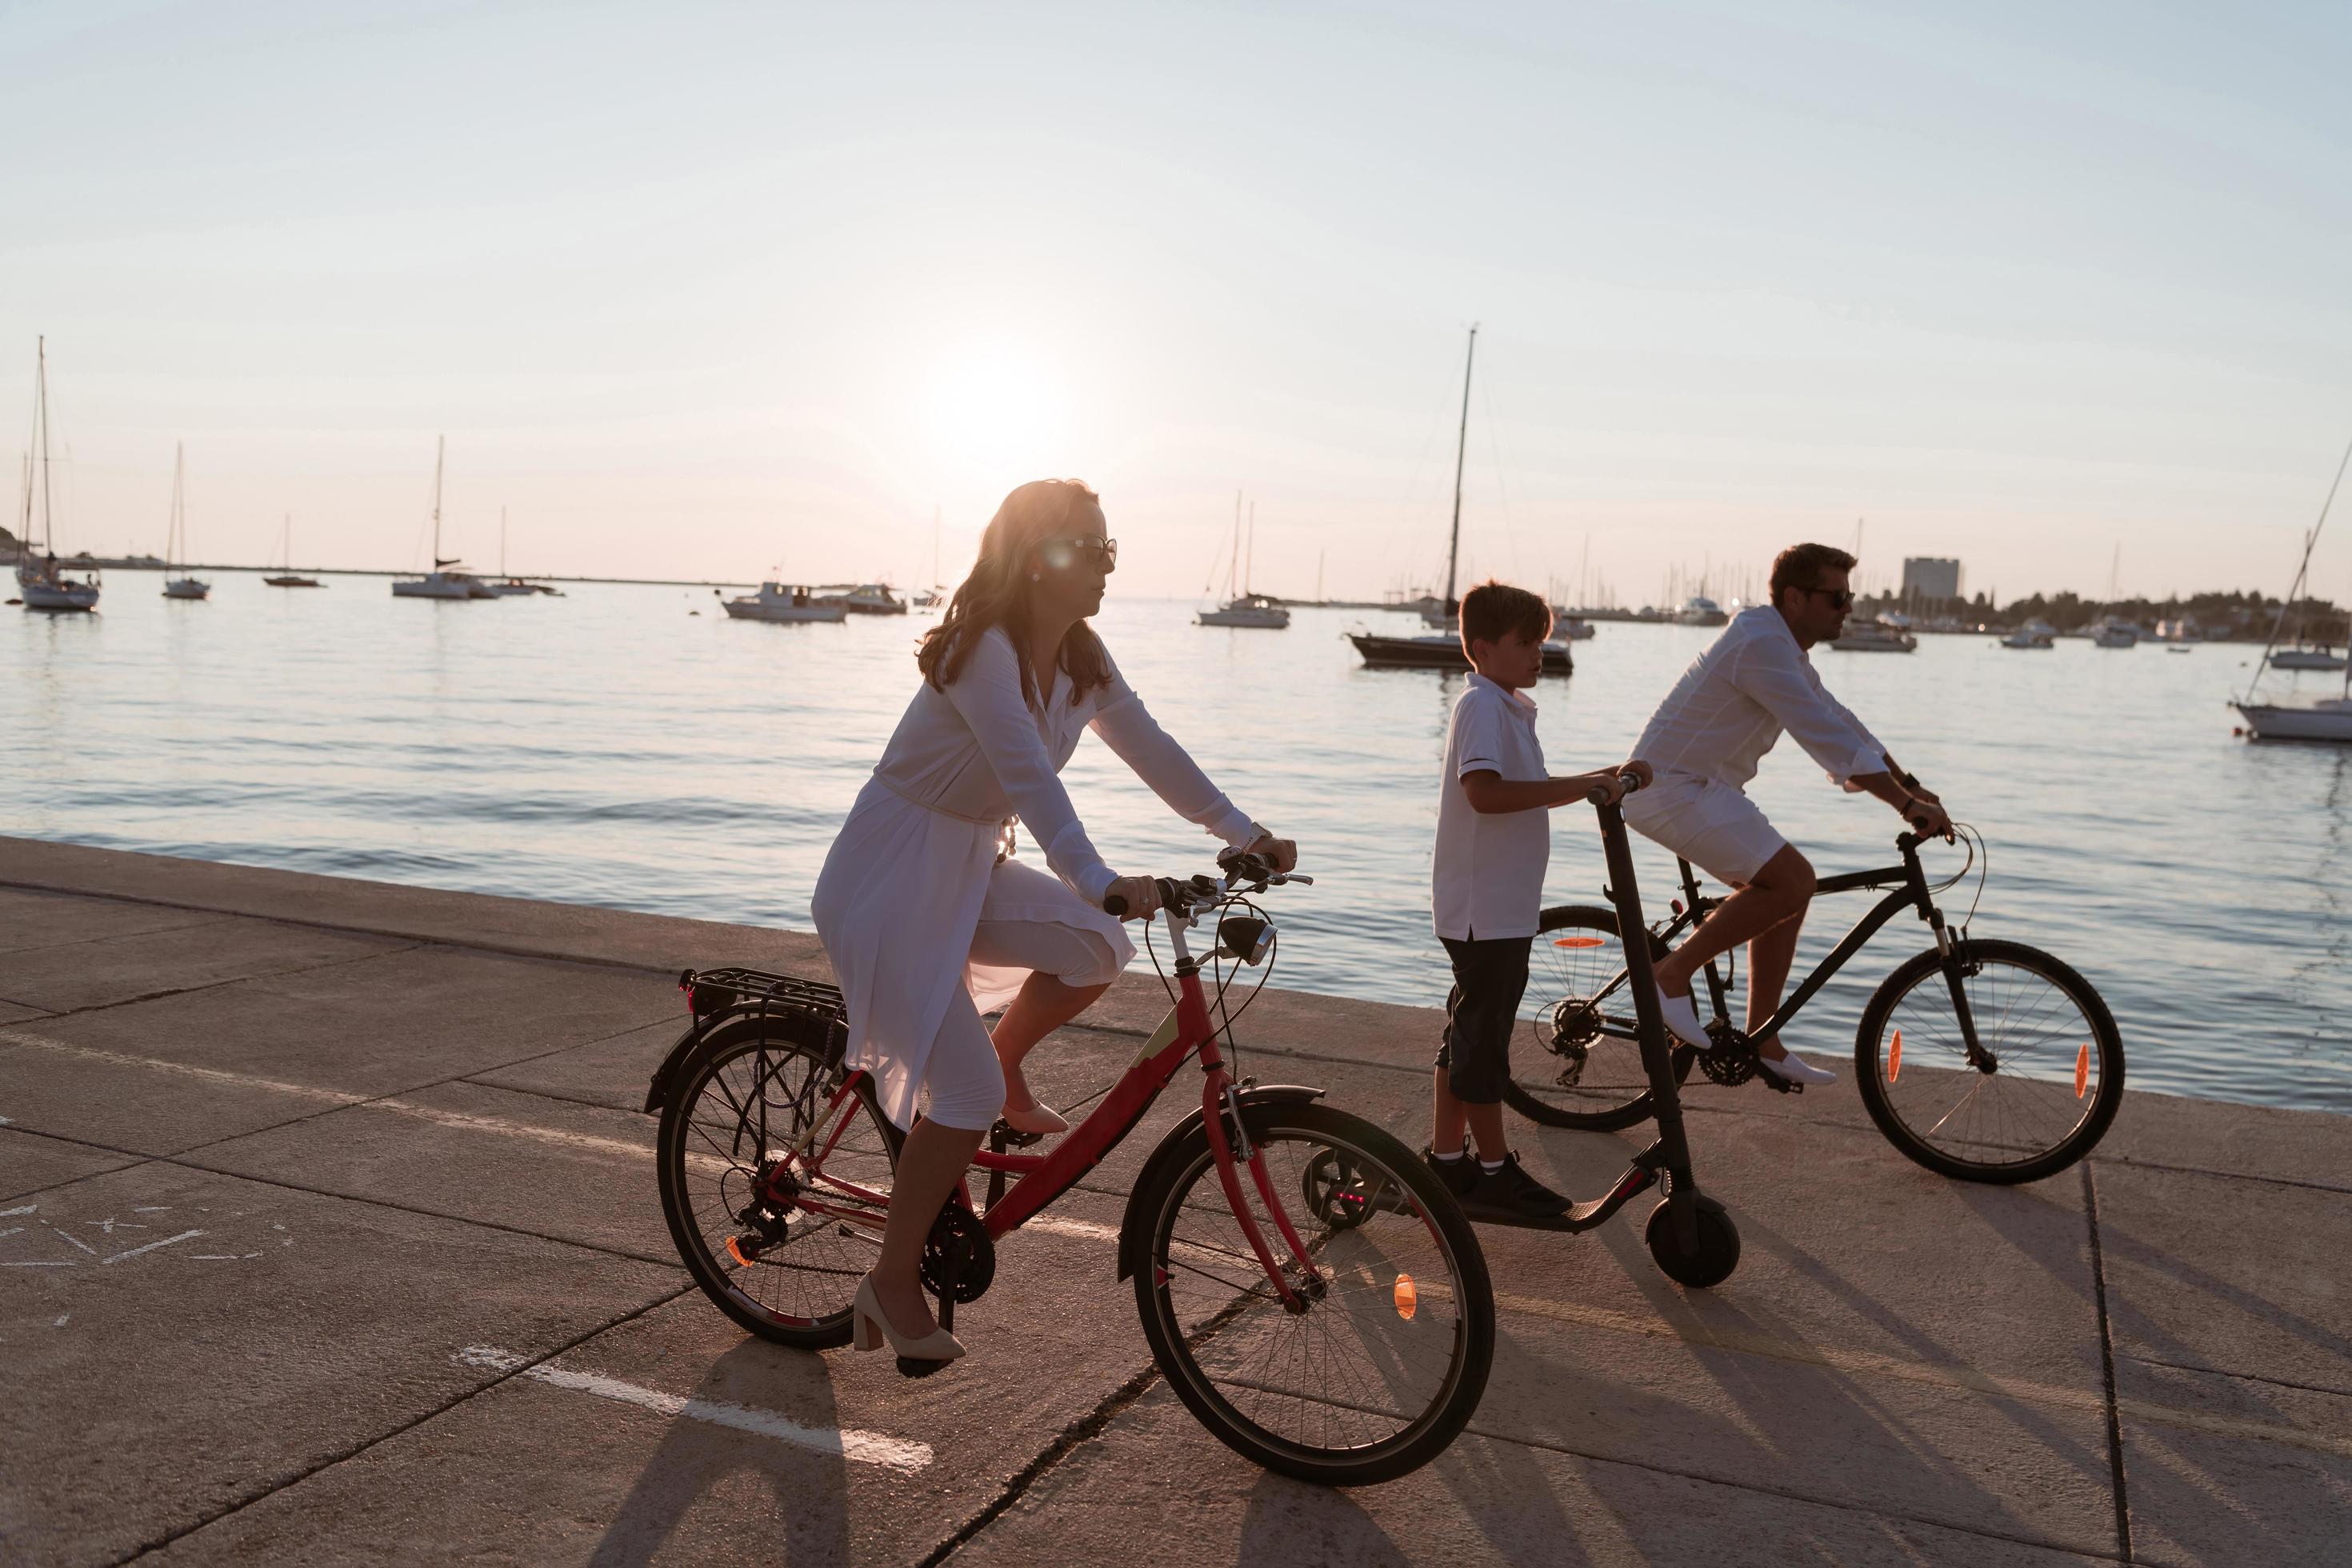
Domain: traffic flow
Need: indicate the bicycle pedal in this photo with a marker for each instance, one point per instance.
(1005, 1135)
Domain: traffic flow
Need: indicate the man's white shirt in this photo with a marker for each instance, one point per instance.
(1488, 881)
(1737, 698)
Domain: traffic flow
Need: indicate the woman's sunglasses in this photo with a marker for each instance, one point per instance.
(1062, 553)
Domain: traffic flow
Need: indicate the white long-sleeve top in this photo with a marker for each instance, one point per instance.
(1737, 698)
(978, 750)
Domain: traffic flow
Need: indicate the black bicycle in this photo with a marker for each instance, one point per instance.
(1985, 1060)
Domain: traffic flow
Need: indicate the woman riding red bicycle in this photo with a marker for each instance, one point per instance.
(929, 920)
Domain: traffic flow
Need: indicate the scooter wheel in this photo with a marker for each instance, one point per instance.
(1710, 1264)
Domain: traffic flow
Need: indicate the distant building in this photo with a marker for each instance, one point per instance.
(1930, 580)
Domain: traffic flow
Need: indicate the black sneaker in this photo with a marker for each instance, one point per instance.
(1459, 1174)
(1509, 1194)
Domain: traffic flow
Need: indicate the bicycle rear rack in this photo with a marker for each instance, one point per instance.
(710, 991)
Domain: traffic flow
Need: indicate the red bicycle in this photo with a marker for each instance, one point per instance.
(1308, 1286)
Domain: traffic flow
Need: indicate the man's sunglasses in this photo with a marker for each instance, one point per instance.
(1842, 597)
(1062, 553)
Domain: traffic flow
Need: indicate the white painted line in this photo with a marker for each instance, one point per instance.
(153, 1208)
(3, 1121)
(24, 1208)
(865, 1448)
(458, 1119)
(12, 1230)
(61, 1319)
(51, 1263)
(151, 1247)
(1081, 1229)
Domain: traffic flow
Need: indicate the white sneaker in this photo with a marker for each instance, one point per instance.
(1796, 1070)
(1681, 1016)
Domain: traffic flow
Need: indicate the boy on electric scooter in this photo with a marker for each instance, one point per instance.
(1487, 892)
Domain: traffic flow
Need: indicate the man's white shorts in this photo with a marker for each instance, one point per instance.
(1714, 826)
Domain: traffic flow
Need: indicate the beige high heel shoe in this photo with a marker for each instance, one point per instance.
(869, 1326)
(1037, 1119)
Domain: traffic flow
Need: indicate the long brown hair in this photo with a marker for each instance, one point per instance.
(994, 595)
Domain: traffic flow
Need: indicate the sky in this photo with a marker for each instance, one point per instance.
(737, 291)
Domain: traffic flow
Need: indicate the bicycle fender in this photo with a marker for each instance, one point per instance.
(800, 1025)
(1131, 1239)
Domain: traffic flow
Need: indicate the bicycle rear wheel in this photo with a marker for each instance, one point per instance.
(2053, 1082)
(1576, 1060)
(735, 1178)
(1388, 1360)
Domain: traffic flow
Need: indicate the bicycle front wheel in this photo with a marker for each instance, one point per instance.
(765, 1144)
(1389, 1357)
(1576, 1058)
(2045, 1083)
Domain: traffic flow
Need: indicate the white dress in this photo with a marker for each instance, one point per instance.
(915, 868)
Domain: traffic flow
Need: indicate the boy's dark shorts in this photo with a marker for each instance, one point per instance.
(1489, 977)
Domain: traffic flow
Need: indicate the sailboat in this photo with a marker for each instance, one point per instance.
(932, 597)
(2330, 717)
(41, 581)
(1243, 608)
(1440, 651)
(2111, 630)
(437, 584)
(507, 587)
(175, 540)
(287, 577)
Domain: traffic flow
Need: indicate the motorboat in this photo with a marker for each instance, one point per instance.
(2309, 658)
(778, 602)
(866, 599)
(1435, 650)
(440, 583)
(1442, 651)
(1877, 635)
(2113, 631)
(1248, 610)
(175, 540)
(41, 580)
(2033, 635)
(1566, 627)
(1699, 610)
(287, 577)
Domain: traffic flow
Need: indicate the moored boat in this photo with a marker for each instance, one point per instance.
(176, 541)
(778, 602)
(41, 580)
(1435, 650)
(440, 583)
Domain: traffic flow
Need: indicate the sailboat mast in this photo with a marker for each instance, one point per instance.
(1249, 572)
(2302, 569)
(172, 539)
(41, 415)
(1461, 452)
(1234, 586)
(440, 452)
(502, 542)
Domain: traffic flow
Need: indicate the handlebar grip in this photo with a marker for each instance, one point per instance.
(1597, 793)
(1115, 906)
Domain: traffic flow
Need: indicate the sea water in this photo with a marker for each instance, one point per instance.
(630, 746)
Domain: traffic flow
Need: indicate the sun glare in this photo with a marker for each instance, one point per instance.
(997, 408)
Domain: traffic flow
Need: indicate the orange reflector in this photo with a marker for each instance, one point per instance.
(1408, 1299)
(1895, 1057)
(2082, 1069)
(736, 1253)
(1579, 940)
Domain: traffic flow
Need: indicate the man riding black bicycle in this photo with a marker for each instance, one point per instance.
(1706, 739)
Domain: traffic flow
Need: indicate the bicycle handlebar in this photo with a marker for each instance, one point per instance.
(1241, 869)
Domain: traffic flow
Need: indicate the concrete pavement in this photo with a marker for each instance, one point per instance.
(328, 1232)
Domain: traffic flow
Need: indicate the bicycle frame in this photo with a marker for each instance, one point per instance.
(1908, 883)
(1045, 1177)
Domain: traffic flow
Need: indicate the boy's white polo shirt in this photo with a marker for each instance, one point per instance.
(1488, 879)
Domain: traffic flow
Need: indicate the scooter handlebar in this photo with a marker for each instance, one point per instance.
(1598, 795)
